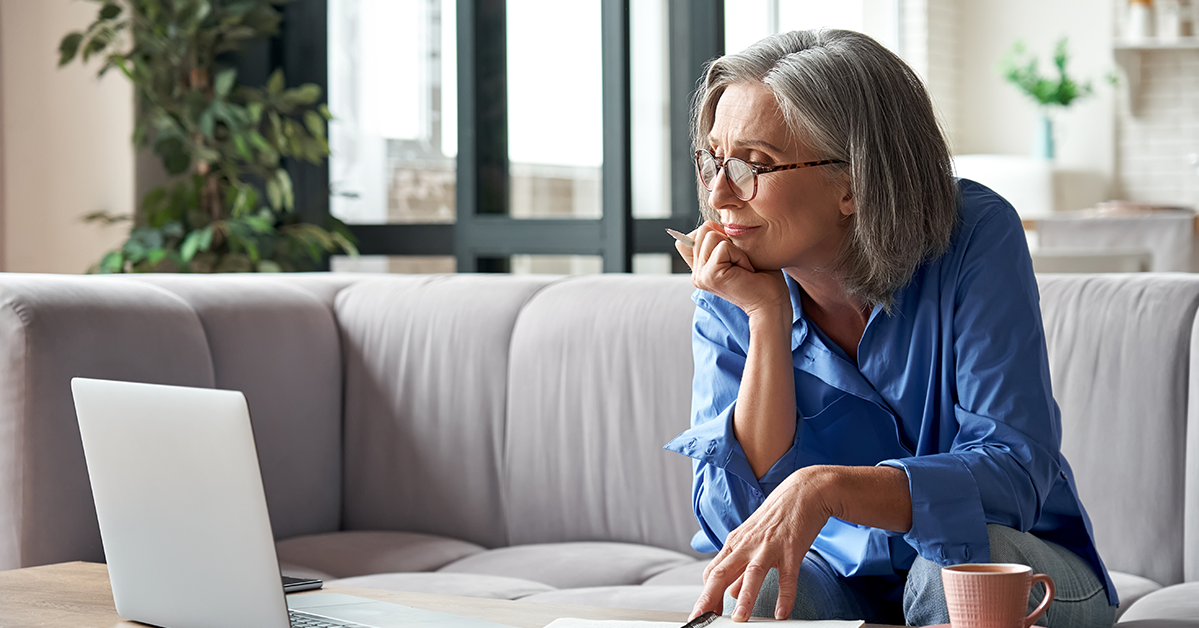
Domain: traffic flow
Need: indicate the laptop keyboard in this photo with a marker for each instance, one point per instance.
(301, 619)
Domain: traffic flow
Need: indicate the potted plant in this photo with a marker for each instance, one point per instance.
(230, 206)
(1049, 92)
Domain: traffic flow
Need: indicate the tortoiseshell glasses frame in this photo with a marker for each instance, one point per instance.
(737, 171)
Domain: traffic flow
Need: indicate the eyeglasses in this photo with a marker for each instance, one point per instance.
(742, 176)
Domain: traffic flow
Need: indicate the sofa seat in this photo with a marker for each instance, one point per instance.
(1131, 588)
(591, 573)
(355, 553)
(465, 584)
(573, 565)
(1175, 605)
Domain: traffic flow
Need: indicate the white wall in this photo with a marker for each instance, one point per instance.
(994, 117)
(66, 142)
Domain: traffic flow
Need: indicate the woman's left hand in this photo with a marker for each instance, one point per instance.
(777, 535)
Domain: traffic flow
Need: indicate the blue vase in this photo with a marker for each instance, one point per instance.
(1044, 147)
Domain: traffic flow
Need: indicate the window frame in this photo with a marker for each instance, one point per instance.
(484, 235)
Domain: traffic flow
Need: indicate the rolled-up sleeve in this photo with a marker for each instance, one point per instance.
(1004, 456)
(725, 491)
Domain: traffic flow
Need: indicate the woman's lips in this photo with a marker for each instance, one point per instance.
(735, 230)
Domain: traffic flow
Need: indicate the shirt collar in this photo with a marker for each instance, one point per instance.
(823, 362)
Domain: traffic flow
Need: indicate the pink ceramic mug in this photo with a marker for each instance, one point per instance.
(992, 595)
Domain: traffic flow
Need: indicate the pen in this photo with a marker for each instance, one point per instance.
(708, 617)
(685, 239)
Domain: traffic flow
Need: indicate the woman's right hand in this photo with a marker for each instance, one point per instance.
(719, 267)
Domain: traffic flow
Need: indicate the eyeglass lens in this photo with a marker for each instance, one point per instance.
(740, 175)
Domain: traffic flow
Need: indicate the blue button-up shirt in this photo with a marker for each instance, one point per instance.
(952, 387)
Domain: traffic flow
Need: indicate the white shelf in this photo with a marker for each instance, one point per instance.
(1182, 43)
(1129, 55)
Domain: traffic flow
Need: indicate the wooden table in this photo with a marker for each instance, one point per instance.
(78, 595)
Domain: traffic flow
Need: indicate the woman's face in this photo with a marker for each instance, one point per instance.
(798, 218)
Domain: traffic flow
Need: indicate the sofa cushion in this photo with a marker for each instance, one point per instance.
(279, 345)
(570, 565)
(1178, 602)
(53, 328)
(356, 553)
(464, 584)
(678, 598)
(688, 574)
(1119, 362)
(1131, 588)
(602, 360)
(426, 372)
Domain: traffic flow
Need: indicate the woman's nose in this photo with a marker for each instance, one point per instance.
(721, 194)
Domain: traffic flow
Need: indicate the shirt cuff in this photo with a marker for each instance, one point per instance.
(713, 443)
(948, 523)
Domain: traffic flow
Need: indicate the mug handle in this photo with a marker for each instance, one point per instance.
(1044, 606)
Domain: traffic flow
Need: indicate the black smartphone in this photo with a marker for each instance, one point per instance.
(292, 584)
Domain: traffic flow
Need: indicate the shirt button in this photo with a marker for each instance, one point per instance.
(757, 493)
(691, 444)
(966, 552)
(711, 448)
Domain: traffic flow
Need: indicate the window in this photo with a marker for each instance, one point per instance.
(747, 21)
(506, 135)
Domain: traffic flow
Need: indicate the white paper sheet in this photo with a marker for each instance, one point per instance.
(720, 622)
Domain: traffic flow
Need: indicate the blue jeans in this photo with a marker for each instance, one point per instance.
(919, 600)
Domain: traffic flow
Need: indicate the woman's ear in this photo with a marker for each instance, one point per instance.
(848, 205)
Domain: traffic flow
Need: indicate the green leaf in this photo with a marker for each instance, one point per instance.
(315, 124)
(156, 255)
(289, 197)
(305, 94)
(242, 202)
(275, 84)
(206, 238)
(134, 251)
(190, 245)
(324, 109)
(274, 194)
(112, 263)
(208, 122)
(110, 11)
(260, 224)
(345, 244)
(173, 229)
(239, 142)
(224, 81)
(119, 61)
(97, 44)
(255, 111)
(202, 10)
(68, 48)
(267, 266)
(259, 142)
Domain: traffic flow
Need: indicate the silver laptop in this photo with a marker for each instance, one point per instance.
(183, 517)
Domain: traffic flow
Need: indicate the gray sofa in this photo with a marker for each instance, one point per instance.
(501, 436)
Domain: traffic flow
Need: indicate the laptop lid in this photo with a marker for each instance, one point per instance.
(179, 498)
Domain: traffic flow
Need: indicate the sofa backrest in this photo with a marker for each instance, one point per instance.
(54, 328)
(426, 370)
(599, 381)
(1120, 354)
(275, 339)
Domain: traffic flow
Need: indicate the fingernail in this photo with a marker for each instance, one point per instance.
(780, 613)
(741, 613)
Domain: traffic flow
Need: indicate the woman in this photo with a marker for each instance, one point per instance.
(871, 395)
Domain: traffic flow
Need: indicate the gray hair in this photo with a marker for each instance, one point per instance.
(849, 98)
